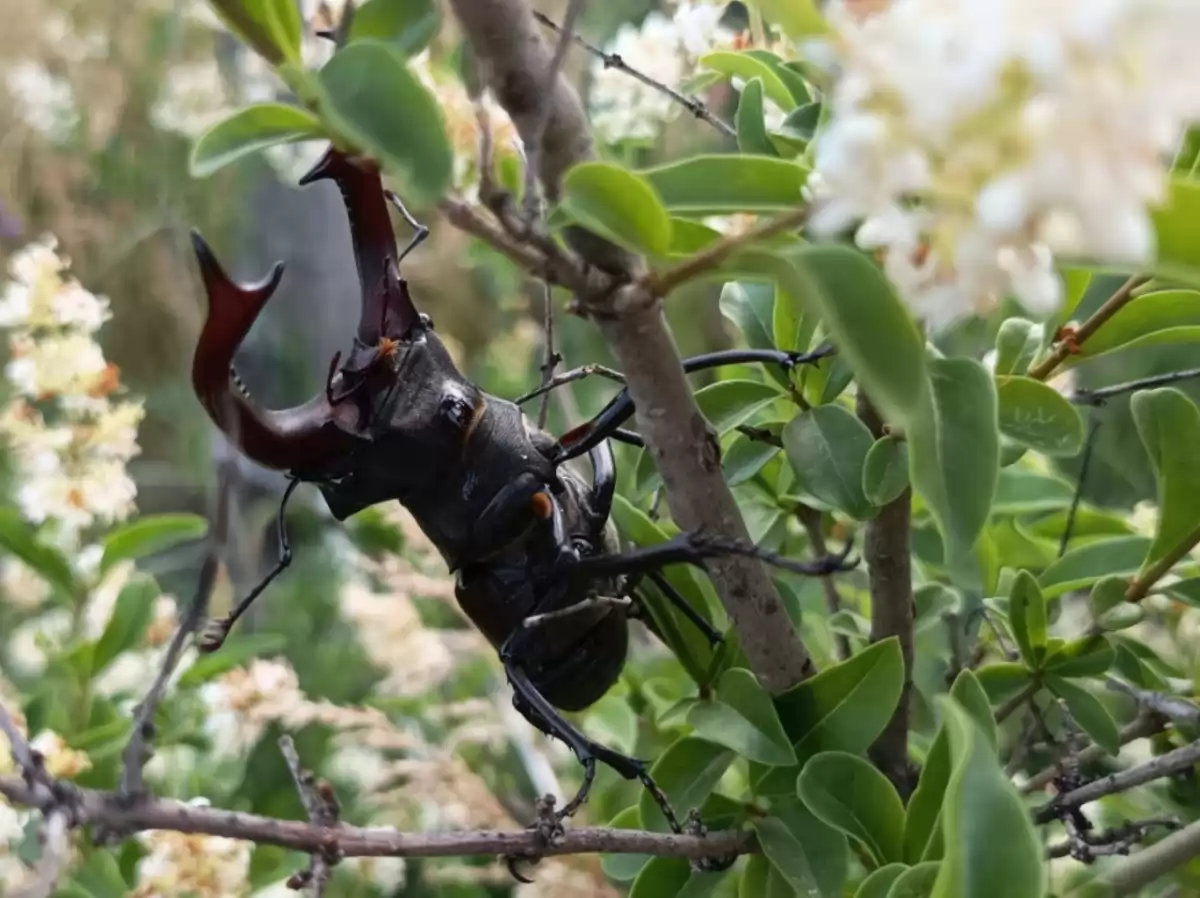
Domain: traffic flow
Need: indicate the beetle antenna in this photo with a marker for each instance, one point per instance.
(218, 628)
(420, 232)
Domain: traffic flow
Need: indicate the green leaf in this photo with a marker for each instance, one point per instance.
(1175, 229)
(680, 634)
(798, 18)
(827, 447)
(249, 130)
(751, 305)
(1081, 567)
(21, 540)
(612, 721)
(662, 877)
(1121, 618)
(131, 616)
(374, 99)
(791, 329)
(1089, 713)
(878, 883)
(1027, 615)
(1090, 656)
(1169, 425)
(751, 130)
(1038, 416)
(885, 471)
(1107, 594)
(790, 76)
(728, 403)
(409, 25)
(870, 326)
(619, 205)
(1153, 319)
(843, 708)
(624, 867)
(272, 27)
(744, 458)
(1017, 343)
(991, 847)
(932, 601)
(1003, 679)
(150, 534)
(851, 795)
(786, 855)
(686, 772)
(761, 880)
(954, 451)
(742, 717)
(749, 68)
(916, 882)
(825, 848)
(723, 184)
(1024, 492)
(922, 830)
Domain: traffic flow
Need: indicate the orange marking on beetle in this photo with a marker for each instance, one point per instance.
(542, 506)
(388, 347)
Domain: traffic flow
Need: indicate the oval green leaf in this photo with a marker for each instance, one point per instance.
(1169, 425)
(1084, 566)
(751, 129)
(954, 451)
(1038, 416)
(851, 795)
(1017, 343)
(786, 855)
(878, 883)
(1152, 319)
(748, 67)
(21, 540)
(1027, 615)
(1088, 711)
(827, 447)
(916, 882)
(409, 25)
(249, 130)
(373, 98)
(686, 772)
(798, 18)
(1175, 229)
(728, 403)
(743, 717)
(1090, 656)
(126, 627)
(619, 205)
(150, 534)
(885, 471)
(624, 867)
(724, 184)
(992, 850)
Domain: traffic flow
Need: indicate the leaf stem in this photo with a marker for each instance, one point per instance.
(1144, 582)
(1063, 348)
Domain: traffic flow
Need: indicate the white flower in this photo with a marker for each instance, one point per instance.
(60, 759)
(242, 702)
(46, 101)
(32, 642)
(197, 865)
(664, 49)
(192, 98)
(22, 586)
(976, 139)
(386, 873)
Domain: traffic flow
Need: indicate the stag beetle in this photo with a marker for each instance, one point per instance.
(524, 532)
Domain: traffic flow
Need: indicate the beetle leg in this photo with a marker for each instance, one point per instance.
(218, 628)
(620, 408)
(420, 232)
(694, 548)
(543, 715)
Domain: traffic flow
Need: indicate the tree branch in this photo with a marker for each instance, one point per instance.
(106, 808)
(1148, 865)
(1165, 765)
(323, 810)
(1146, 725)
(1067, 345)
(505, 39)
(888, 554)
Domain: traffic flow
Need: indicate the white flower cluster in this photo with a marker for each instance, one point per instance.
(187, 864)
(978, 140)
(241, 703)
(664, 48)
(70, 439)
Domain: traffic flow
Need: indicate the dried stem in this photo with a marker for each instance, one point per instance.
(1141, 586)
(322, 808)
(551, 358)
(614, 61)
(1101, 396)
(887, 550)
(1148, 865)
(1173, 707)
(1117, 840)
(107, 809)
(569, 377)
(1063, 348)
(1143, 726)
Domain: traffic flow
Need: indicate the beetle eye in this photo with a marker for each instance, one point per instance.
(456, 410)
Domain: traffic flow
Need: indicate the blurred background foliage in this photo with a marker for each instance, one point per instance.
(403, 707)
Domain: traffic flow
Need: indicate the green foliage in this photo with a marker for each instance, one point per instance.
(248, 131)
(149, 535)
(849, 794)
(618, 204)
(1169, 425)
(409, 25)
(721, 185)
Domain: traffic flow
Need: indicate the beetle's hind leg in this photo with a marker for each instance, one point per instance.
(543, 715)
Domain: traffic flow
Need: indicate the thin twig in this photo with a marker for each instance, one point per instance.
(1143, 583)
(810, 519)
(659, 284)
(1151, 863)
(1006, 709)
(570, 376)
(1171, 763)
(1106, 842)
(138, 750)
(551, 358)
(1173, 707)
(1084, 464)
(96, 807)
(1143, 726)
(614, 61)
(1047, 366)
(1101, 396)
(322, 808)
(533, 149)
(18, 746)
